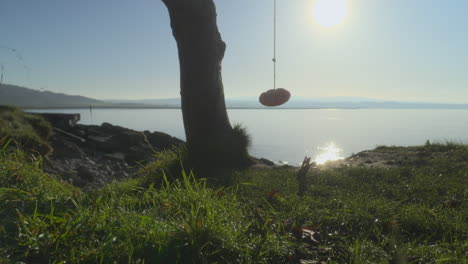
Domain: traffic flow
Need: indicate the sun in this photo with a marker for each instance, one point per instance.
(329, 13)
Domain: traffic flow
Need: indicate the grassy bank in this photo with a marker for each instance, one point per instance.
(408, 214)
(412, 209)
(27, 131)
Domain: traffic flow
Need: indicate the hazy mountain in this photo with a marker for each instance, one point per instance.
(25, 97)
(165, 102)
(29, 98)
(357, 102)
(302, 102)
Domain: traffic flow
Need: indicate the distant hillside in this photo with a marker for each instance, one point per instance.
(366, 103)
(29, 98)
(304, 103)
(159, 103)
(25, 97)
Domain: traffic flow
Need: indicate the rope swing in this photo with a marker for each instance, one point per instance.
(275, 96)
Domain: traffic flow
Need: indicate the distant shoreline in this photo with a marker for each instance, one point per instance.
(243, 108)
(176, 107)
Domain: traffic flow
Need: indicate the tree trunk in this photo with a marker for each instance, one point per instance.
(201, 51)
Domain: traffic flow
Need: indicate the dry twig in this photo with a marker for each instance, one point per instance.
(301, 175)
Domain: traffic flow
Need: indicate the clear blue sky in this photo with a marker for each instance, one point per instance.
(413, 50)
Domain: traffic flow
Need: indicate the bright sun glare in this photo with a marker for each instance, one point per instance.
(330, 153)
(329, 13)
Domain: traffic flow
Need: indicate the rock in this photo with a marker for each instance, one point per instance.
(161, 140)
(116, 156)
(116, 139)
(100, 140)
(266, 162)
(86, 173)
(90, 156)
(67, 148)
(61, 121)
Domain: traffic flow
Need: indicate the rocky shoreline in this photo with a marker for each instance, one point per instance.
(88, 156)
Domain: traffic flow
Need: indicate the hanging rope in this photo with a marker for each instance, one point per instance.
(274, 44)
(275, 96)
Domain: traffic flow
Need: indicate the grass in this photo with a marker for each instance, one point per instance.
(383, 212)
(406, 214)
(183, 221)
(28, 131)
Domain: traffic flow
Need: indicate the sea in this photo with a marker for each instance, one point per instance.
(286, 136)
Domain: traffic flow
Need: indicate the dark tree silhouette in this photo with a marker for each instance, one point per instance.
(211, 140)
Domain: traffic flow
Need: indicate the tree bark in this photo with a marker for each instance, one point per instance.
(201, 51)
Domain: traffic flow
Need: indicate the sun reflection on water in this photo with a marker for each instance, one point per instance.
(329, 153)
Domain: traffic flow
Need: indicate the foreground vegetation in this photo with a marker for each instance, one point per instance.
(29, 131)
(412, 211)
(348, 215)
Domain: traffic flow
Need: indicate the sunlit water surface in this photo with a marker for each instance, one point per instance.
(289, 135)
